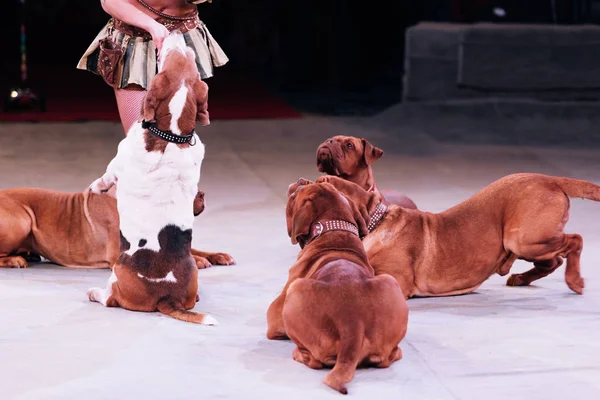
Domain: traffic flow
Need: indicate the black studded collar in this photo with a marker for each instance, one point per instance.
(168, 135)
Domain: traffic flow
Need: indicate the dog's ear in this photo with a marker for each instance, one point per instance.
(201, 94)
(301, 221)
(371, 153)
(152, 98)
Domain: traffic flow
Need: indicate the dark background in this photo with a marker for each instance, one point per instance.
(337, 51)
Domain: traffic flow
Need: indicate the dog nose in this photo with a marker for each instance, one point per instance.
(329, 141)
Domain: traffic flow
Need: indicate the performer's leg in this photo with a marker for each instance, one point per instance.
(129, 102)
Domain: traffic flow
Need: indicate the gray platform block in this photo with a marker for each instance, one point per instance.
(449, 62)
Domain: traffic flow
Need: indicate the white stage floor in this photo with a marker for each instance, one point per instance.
(539, 342)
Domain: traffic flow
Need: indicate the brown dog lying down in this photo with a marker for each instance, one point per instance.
(333, 307)
(351, 158)
(520, 216)
(70, 229)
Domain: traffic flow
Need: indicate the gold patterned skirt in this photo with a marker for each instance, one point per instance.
(138, 65)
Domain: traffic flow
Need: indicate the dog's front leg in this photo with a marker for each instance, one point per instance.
(103, 184)
(275, 326)
(110, 177)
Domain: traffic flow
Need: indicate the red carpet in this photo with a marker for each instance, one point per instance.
(73, 95)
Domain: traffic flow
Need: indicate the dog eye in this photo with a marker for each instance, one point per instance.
(349, 145)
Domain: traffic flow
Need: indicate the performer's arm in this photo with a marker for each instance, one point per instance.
(129, 12)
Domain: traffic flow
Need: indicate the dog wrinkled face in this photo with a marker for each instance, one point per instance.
(343, 156)
(177, 97)
(319, 202)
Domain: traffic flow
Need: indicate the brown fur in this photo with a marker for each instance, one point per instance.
(333, 307)
(71, 229)
(351, 158)
(520, 216)
(134, 292)
(155, 107)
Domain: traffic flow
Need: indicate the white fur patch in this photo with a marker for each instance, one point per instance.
(155, 189)
(176, 107)
(170, 277)
(209, 320)
(101, 295)
(173, 41)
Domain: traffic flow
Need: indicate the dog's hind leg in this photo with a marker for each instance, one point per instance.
(15, 228)
(548, 261)
(540, 270)
(104, 296)
(572, 273)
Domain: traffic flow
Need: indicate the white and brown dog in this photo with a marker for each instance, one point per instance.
(157, 167)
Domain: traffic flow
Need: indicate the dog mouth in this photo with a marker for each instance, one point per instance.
(326, 163)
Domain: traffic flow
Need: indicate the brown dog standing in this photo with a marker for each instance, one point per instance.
(71, 229)
(520, 216)
(351, 158)
(333, 307)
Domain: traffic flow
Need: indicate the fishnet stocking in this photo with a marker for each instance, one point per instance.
(129, 102)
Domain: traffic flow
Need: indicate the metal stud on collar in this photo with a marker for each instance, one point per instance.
(339, 225)
(332, 225)
(168, 136)
(377, 216)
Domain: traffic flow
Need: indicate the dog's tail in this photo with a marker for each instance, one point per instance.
(168, 308)
(579, 188)
(348, 356)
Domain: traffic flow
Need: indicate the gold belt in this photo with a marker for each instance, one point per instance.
(170, 24)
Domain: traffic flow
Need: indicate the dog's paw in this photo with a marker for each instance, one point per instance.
(210, 320)
(91, 293)
(576, 284)
(220, 259)
(202, 262)
(13, 262)
(304, 181)
(516, 280)
(97, 186)
(325, 179)
(101, 185)
(31, 257)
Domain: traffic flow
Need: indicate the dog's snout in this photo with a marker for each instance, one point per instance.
(323, 151)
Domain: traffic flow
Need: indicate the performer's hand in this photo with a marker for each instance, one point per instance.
(159, 33)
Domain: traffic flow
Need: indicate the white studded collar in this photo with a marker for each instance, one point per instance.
(377, 216)
(320, 228)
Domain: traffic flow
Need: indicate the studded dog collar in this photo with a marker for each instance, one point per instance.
(320, 228)
(377, 216)
(169, 136)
